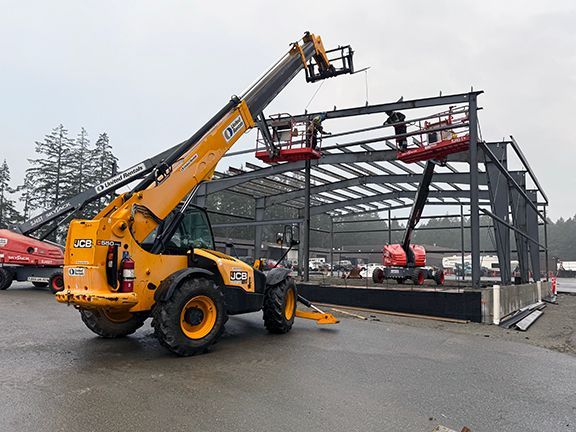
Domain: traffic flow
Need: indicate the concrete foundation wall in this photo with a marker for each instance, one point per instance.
(512, 298)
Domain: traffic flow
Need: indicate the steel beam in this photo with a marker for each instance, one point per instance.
(327, 159)
(524, 161)
(383, 180)
(395, 106)
(256, 223)
(521, 189)
(315, 210)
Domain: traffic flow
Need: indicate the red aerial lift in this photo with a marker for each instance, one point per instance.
(407, 261)
(36, 260)
(281, 138)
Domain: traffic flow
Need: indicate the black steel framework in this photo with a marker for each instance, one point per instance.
(359, 173)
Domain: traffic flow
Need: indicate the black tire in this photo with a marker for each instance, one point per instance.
(418, 277)
(112, 325)
(439, 277)
(378, 275)
(278, 310)
(175, 319)
(56, 282)
(6, 278)
(40, 284)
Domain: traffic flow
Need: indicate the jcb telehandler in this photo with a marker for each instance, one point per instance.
(150, 252)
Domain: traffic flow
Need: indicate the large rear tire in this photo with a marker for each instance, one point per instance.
(279, 308)
(112, 324)
(192, 319)
(6, 278)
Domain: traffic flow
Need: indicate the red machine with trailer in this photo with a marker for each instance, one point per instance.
(36, 260)
(24, 258)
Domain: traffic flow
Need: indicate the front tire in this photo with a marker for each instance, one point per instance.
(192, 319)
(6, 278)
(418, 277)
(280, 306)
(112, 324)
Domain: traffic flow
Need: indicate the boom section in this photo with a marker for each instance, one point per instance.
(196, 159)
(418, 206)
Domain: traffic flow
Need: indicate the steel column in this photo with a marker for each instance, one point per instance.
(532, 229)
(463, 247)
(499, 200)
(518, 205)
(260, 209)
(306, 224)
(474, 193)
(331, 247)
(546, 243)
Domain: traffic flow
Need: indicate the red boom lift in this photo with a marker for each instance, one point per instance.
(407, 261)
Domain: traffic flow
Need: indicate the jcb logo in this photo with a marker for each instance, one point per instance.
(83, 243)
(239, 276)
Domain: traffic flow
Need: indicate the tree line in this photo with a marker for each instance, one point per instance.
(63, 167)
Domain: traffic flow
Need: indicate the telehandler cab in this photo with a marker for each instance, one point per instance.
(150, 252)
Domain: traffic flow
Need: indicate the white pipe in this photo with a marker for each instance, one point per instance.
(496, 304)
(539, 286)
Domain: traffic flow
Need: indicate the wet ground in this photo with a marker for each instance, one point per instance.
(386, 375)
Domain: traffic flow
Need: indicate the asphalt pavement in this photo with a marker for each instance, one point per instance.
(55, 375)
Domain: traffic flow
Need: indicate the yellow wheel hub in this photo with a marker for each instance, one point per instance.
(289, 304)
(198, 317)
(117, 316)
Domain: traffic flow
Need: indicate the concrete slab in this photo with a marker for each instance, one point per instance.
(362, 375)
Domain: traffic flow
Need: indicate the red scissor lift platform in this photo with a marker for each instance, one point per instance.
(438, 141)
(294, 141)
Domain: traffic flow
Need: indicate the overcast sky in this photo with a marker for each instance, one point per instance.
(151, 72)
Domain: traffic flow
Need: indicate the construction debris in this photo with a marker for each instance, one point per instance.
(529, 320)
(515, 318)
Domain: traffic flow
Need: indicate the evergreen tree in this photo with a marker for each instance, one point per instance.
(52, 174)
(8, 213)
(105, 163)
(82, 163)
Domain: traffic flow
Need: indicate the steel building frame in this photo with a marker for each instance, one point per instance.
(360, 176)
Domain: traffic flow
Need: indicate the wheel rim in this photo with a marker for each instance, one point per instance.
(117, 316)
(289, 304)
(58, 283)
(198, 317)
